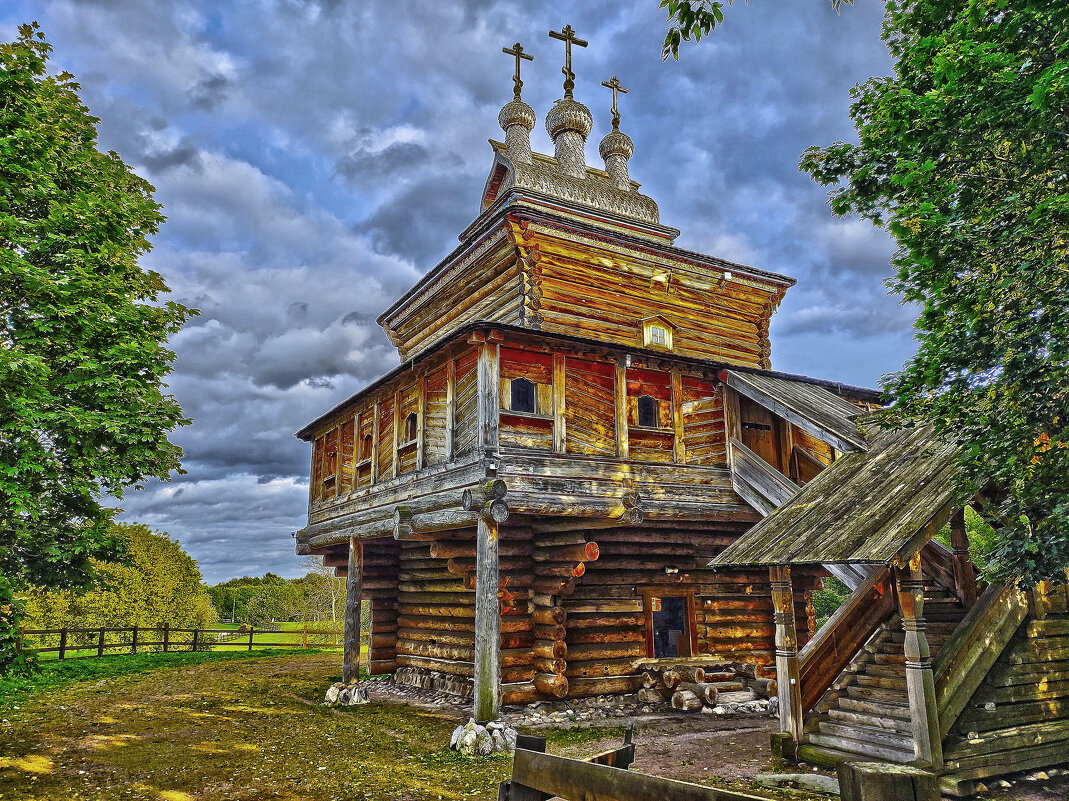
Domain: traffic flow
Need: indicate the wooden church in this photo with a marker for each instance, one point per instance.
(583, 416)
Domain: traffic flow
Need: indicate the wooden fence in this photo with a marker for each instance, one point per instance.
(74, 643)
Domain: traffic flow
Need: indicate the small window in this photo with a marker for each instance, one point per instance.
(365, 447)
(410, 427)
(648, 411)
(658, 336)
(657, 333)
(523, 395)
(671, 632)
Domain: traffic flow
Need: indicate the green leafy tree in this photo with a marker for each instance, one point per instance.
(693, 19)
(82, 332)
(156, 583)
(964, 157)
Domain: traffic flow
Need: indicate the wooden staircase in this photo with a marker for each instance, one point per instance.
(866, 710)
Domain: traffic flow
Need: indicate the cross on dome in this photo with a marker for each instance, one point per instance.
(567, 35)
(614, 84)
(517, 51)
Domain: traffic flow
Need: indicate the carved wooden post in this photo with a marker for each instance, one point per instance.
(964, 577)
(559, 424)
(920, 681)
(487, 620)
(351, 643)
(787, 673)
(620, 394)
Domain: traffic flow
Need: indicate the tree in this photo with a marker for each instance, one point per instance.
(156, 583)
(693, 19)
(82, 332)
(964, 157)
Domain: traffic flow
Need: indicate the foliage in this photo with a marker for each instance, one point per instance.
(157, 583)
(317, 597)
(82, 329)
(693, 19)
(829, 598)
(963, 157)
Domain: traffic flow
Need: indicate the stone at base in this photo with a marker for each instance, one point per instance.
(884, 781)
(811, 782)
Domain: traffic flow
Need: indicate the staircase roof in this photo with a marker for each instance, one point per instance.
(870, 506)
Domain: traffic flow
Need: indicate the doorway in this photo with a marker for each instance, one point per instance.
(671, 632)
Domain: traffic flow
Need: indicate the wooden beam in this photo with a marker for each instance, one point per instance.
(396, 433)
(351, 653)
(375, 445)
(787, 669)
(421, 407)
(487, 622)
(964, 575)
(679, 452)
(920, 680)
(450, 406)
(488, 403)
(559, 393)
(620, 384)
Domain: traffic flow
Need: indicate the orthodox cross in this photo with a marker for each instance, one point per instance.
(614, 84)
(517, 50)
(567, 35)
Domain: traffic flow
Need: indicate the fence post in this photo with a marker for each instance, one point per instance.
(194, 639)
(62, 643)
(304, 636)
(100, 642)
(166, 636)
(133, 641)
(252, 629)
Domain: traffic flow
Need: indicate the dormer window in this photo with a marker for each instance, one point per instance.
(657, 333)
(410, 427)
(648, 411)
(523, 395)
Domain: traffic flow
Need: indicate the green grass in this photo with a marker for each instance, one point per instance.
(55, 674)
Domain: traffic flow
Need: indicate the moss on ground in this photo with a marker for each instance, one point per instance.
(236, 729)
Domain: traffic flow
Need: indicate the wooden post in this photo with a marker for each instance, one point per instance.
(450, 406)
(62, 643)
(100, 642)
(375, 445)
(351, 642)
(304, 636)
(559, 428)
(488, 396)
(964, 576)
(395, 470)
(883, 781)
(133, 641)
(421, 413)
(166, 636)
(487, 621)
(679, 450)
(787, 672)
(620, 377)
(194, 647)
(252, 632)
(920, 681)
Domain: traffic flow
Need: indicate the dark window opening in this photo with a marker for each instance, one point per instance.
(410, 427)
(756, 426)
(365, 447)
(523, 395)
(671, 636)
(648, 411)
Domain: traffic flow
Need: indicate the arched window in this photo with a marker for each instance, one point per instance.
(648, 411)
(365, 447)
(523, 395)
(410, 427)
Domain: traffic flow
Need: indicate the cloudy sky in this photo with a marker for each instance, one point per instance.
(315, 158)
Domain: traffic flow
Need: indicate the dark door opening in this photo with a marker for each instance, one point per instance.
(671, 636)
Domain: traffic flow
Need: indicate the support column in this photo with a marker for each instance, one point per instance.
(351, 643)
(487, 621)
(920, 680)
(964, 576)
(488, 400)
(787, 672)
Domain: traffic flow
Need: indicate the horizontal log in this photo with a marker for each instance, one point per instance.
(686, 701)
(586, 552)
(523, 692)
(456, 549)
(553, 684)
(550, 632)
(607, 635)
(377, 667)
(455, 668)
(550, 649)
(616, 685)
(550, 615)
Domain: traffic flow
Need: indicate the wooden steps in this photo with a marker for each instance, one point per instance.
(867, 711)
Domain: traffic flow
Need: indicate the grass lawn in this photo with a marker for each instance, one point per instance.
(227, 726)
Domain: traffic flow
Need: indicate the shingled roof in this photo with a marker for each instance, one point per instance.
(869, 506)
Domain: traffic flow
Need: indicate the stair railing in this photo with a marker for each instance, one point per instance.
(833, 647)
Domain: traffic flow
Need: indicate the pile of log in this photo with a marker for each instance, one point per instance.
(690, 689)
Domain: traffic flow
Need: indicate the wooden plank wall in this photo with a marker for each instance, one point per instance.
(465, 424)
(434, 428)
(533, 430)
(1019, 717)
(488, 290)
(379, 586)
(589, 405)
